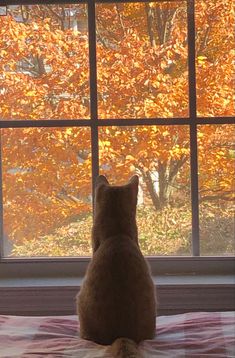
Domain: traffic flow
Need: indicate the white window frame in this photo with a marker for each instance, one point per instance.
(172, 266)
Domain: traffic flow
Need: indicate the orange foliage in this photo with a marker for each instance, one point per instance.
(142, 66)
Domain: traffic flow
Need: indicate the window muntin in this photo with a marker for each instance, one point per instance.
(94, 124)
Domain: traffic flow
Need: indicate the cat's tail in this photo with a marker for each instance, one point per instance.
(125, 348)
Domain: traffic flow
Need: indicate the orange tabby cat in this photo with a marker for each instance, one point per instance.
(116, 303)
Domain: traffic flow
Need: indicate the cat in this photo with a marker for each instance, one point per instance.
(116, 304)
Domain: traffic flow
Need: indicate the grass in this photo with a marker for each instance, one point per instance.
(160, 233)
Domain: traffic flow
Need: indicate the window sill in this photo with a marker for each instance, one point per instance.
(175, 293)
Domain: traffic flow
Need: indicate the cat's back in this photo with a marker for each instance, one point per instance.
(118, 294)
(119, 262)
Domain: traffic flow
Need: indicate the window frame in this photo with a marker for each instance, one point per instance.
(171, 265)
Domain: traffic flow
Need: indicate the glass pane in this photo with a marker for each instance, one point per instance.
(46, 191)
(44, 62)
(160, 156)
(142, 59)
(216, 189)
(215, 21)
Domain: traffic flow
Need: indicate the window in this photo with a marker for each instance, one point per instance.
(117, 88)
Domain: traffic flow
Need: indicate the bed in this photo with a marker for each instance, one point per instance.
(200, 334)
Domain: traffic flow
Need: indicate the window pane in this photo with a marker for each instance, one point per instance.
(216, 189)
(142, 59)
(46, 191)
(44, 62)
(215, 21)
(160, 156)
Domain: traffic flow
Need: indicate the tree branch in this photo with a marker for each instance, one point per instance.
(120, 19)
(58, 17)
(216, 197)
(174, 169)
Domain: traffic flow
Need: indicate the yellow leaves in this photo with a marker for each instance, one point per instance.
(31, 93)
(156, 84)
(35, 26)
(146, 83)
(220, 154)
(165, 133)
(201, 60)
(130, 158)
(177, 152)
(106, 143)
(3, 53)
(68, 132)
(136, 64)
(47, 27)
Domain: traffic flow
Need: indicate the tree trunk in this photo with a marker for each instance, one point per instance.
(163, 185)
(167, 174)
(152, 192)
(150, 24)
(40, 65)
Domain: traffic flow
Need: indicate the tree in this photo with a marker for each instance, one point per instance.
(142, 61)
(147, 58)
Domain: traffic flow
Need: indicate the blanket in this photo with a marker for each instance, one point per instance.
(200, 334)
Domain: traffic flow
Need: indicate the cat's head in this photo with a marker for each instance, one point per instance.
(116, 200)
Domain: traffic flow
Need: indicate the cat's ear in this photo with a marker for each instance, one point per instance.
(101, 179)
(134, 183)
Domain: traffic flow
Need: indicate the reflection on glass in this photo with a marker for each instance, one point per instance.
(44, 62)
(215, 21)
(46, 191)
(160, 156)
(216, 189)
(142, 59)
